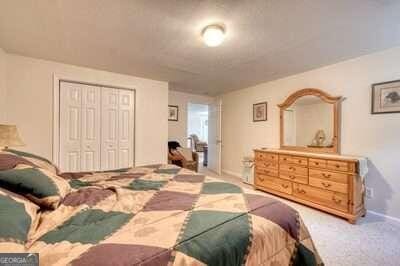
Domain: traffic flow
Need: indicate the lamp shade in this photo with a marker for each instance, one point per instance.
(9, 136)
(213, 35)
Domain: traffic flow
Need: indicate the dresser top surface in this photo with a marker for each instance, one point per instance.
(314, 155)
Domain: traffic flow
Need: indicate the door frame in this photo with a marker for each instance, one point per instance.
(219, 167)
(205, 103)
(57, 79)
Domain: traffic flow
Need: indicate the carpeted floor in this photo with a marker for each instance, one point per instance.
(372, 241)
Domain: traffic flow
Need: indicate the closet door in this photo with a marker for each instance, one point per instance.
(70, 126)
(79, 127)
(91, 125)
(96, 128)
(109, 128)
(125, 128)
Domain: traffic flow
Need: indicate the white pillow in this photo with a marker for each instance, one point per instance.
(186, 153)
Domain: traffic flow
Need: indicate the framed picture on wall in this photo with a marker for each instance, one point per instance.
(386, 97)
(173, 112)
(260, 112)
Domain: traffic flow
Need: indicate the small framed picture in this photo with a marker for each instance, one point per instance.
(173, 111)
(260, 112)
(386, 97)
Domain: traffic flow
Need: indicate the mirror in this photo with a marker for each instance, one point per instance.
(309, 121)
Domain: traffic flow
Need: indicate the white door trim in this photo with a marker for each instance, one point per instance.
(56, 111)
(218, 138)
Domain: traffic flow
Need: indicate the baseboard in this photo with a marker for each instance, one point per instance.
(385, 217)
(231, 173)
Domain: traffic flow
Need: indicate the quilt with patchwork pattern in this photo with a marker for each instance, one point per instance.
(165, 215)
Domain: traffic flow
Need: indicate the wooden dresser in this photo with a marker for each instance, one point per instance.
(330, 183)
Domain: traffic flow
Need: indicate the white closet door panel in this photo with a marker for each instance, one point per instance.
(109, 129)
(91, 126)
(70, 126)
(96, 127)
(126, 130)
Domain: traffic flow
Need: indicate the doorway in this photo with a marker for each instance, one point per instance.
(204, 134)
(197, 130)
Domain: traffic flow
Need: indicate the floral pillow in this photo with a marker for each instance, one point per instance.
(18, 219)
(41, 186)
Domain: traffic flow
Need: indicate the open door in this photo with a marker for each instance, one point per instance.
(214, 136)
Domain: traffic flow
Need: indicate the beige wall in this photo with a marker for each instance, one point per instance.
(2, 83)
(29, 104)
(374, 136)
(177, 130)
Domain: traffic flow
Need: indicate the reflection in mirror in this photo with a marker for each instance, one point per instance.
(309, 122)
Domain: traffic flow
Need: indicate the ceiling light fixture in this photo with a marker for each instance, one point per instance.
(213, 35)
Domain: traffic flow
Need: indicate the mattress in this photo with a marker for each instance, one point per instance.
(166, 215)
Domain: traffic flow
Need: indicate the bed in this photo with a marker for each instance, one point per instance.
(158, 215)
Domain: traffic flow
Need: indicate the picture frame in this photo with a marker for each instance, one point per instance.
(385, 97)
(173, 113)
(260, 112)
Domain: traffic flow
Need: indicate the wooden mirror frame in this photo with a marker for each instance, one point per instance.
(336, 119)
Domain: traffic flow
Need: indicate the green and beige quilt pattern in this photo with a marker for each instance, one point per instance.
(18, 220)
(164, 215)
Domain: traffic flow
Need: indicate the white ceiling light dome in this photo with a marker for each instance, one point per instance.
(213, 35)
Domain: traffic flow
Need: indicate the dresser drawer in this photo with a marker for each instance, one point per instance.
(267, 164)
(329, 185)
(317, 163)
(327, 175)
(337, 166)
(274, 183)
(293, 160)
(267, 171)
(265, 156)
(293, 177)
(293, 169)
(327, 198)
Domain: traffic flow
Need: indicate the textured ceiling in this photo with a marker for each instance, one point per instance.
(160, 39)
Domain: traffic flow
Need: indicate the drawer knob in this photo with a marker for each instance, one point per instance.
(301, 191)
(285, 185)
(337, 201)
(317, 163)
(292, 168)
(292, 177)
(299, 161)
(262, 179)
(326, 175)
(326, 184)
(337, 166)
(266, 164)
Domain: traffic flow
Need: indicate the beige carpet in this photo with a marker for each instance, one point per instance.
(372, 241)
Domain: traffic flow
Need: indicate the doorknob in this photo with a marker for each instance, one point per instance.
(219, 141)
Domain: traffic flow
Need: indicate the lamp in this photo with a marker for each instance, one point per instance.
(9, 137)
(213, 35)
